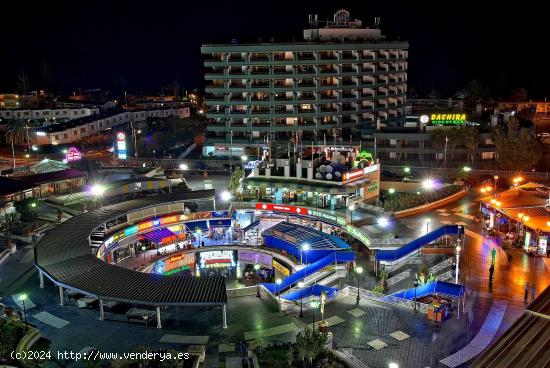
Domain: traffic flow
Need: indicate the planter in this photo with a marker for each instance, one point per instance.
(430, 206)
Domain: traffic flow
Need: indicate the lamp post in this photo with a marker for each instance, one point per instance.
(428, 220)
(305, 248)
(144, 248)
(146, 319)
(351, 209)
(415, 283)
(519, 224)
(278, 282)
(458, 249)
(496, 178)
(314, 304)
(23, 297)
(301, 285)
(359, 271)
(256, 268)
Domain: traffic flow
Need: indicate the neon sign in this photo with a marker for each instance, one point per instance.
(448, 119)
(73, 154)
(280, 208)
(217, 258)
(121, 146)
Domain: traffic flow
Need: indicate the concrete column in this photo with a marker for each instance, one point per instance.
(214, 203)
(309, 171)
(267, 172)
(101, 311)
(224, 316)
(299, 170)
(287, 170)
(159, 322)
(61, 296)
(41, 276)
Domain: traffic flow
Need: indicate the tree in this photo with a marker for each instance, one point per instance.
(437, 138)
(22, 82)
(236, 179)
(27, 209)
(519, 94)
(516, 148)
(310, 343)
(470, 137)
(474, 92)
(17, 131)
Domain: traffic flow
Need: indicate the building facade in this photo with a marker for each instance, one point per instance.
(341, 76)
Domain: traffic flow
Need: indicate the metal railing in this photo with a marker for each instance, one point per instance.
(387, 299)
(441, 265)
(347, 353)
(400, 277)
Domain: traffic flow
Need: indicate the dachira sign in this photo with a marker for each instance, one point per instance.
(448, 119)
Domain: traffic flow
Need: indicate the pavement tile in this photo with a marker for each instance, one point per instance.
(356, 312)
(226, 348)
(377, 344)
(399, 335)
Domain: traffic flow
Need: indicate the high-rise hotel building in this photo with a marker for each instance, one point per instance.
(341, 76)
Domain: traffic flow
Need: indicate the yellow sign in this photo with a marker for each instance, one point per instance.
(282, 269)
(448, 119)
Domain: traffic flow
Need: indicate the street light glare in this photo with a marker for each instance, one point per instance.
(306, 247)
(428, 220)
(393, 365)
(458, 248)
(407, 169)
(23, 296)
(383, 222)
(226, 196)
(256, 266)
(352, 207)
(300, 284)
(391, 190)
(97, 190)
(467, 169)
(278, 281)
(183, 167)
(359, 270)
(244, 157)
(428, 184)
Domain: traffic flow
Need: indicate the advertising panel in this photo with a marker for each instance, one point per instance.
(252, 257)
(282, 269)
(121, 146)
(216, 259)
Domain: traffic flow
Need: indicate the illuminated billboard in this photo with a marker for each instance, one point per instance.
(121, 146)
(448, 119)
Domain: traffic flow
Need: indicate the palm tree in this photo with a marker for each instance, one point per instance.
(471, 141)
(437, 137)
(17, 132)
(309, 344)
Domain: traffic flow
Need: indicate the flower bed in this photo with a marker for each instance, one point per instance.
(402, 201)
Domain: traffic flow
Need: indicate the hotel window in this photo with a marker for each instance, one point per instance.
(82, 130)
(65, 135)
(75, 132)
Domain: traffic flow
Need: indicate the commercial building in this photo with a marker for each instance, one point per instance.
(341, 76)
(52, 115)
(74, 130)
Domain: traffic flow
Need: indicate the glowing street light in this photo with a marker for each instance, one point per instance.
(428, 184)
(383, 222)
(407, 169)
(226, 196)
(458, 249)
(393, 365)
(33, 204)
(428, 220)
(22, 298)
(183, 167)
(351, 208)
(467, 169)
(391, 190)
(97, 190)
(305, 248)
(314, 304)
(244, 158)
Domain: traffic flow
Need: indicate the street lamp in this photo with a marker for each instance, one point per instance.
(33, 204)
(22, 298)
(496, 178)
(146, 319)
(278, 282)
(467, 169)
(415, 283)
(407, 169)
(244, 158)
(359, 271)
(391, 190)
(393, 365)
(458, 249)
(226, 196)
(305, 248)
(428, 220)
(183, 167)
(383, 222)
(351, 208)
(314, 304)
(301, 285)
(428, 184)
(143, 249)
(256, 268)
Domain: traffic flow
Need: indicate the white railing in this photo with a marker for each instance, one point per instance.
(388, 299)
(348, 354)
(449, 275)
(399, 277)
(441, 265)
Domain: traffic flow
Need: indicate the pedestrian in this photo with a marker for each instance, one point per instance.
(493, 255)
(491, 271)
(509, 260)
(526, 292)
(533, 291)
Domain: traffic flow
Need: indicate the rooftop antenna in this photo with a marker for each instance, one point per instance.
(377, 22)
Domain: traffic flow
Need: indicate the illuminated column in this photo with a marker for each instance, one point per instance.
(41, 275)
(224, 316)
(159, 322)
(101, 312)
(61, 296)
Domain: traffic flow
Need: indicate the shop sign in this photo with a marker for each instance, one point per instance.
(252, 164)
(282, 269)
(353, 175)
(325, 216)
(131, 230)
(543, 244)
(255, 257)
(370, 169)
(169, 219)
(491, 220)
(527, 240)
(281, 208)
(216, 258)
(220, 214)
(121, 146)
(358, 234)
(73, 154)
(448, 119)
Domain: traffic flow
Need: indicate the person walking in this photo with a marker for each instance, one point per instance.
(526, 294)
(533, 291)
(491, 272)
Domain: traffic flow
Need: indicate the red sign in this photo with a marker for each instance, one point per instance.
(355, 174)
(281, 208)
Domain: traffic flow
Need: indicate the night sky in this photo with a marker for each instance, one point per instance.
(142, 45)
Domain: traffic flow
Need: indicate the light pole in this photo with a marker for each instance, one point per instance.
(256, 268)
(301, 285)
(305, 248)
(146, 319)
(314, 304)
(278, 282)
(23, 297)
(496, 178)
(351, 209)
(415, 283)
(458, 249)
(143, 248)
(359, 271)
(428, 220)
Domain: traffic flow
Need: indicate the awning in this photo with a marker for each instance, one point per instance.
(157, 236)
(197, 225)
